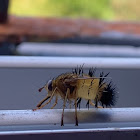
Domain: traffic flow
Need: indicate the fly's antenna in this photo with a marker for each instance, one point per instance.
(40, 89)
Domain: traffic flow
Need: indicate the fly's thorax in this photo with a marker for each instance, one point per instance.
(63, 82)
(72, 95)
(57, 87)
(87, 88)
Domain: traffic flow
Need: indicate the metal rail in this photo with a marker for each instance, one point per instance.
(68, 62)
(80, 50)
(98, 123)
(53, 116)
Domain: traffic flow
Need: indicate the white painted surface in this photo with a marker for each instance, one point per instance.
(53, 116)
(85, 50)
(68, 62)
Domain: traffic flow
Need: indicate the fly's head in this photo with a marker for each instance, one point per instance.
(48, 87)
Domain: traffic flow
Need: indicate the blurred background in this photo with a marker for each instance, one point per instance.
(105, 10)
(67, 28)
(106, 22)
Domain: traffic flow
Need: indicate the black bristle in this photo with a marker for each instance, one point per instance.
(73, 71)
(78, 71)
(81, 70)
(91, 72)
(102, 79)
(108, 97)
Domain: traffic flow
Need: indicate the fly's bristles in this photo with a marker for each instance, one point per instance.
(78, 71)
(40, 89)
(108, 97)
(91, 72)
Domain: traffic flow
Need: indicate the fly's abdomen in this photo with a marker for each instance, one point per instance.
(87, 88)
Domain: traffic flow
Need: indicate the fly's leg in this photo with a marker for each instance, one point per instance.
(64, 105)
(41, 102)
(78, 102)
(46, 102)
(76, 118)
(91, 103)
(56, 99)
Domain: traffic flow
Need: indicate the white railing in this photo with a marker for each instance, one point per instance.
(47, 121)
(68, 62)
(53, 116)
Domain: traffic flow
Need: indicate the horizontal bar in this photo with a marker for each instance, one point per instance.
(68, 62)
(53, 116)
(80, 50)
(71, 131)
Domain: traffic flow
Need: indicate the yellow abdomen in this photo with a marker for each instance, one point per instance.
(87, 88)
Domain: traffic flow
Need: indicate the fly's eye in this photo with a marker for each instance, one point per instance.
(50, 85)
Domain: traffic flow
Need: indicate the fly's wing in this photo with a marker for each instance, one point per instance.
(87, 88)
